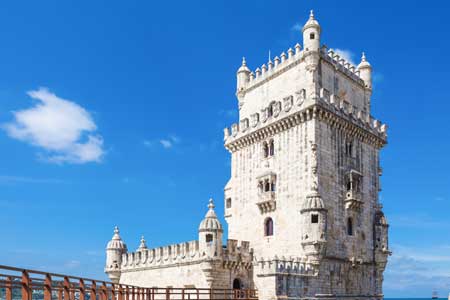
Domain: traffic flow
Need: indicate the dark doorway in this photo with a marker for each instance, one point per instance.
(237, 284)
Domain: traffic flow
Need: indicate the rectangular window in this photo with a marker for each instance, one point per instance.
(228, 202)
(314, 218)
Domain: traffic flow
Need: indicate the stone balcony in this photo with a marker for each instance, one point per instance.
(353, 200)
(267, 202)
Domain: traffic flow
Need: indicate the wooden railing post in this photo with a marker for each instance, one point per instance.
(127, 293)
(82, 290)
(113, 292)
(210, 294)
(120, 297)
(48, 287)
(182, 294)
(167, 294)
(104, 291)
(93, 292)
(26, 286)
(8, 288)
(66, 285)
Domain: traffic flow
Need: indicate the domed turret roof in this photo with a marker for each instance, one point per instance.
(116, 242)
(364, 63)
(313, 202)
(210, 222)
(243, 67)
(142, 245)
(312, 22)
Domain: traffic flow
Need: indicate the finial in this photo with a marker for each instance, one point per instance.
(311, 14)
(211, 204)
(244, 63)
(143, 244)
(116, 230)
(363, 57)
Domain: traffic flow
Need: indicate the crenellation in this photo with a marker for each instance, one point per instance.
(339, 106)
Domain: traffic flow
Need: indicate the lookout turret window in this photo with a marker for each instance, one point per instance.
(311, 36)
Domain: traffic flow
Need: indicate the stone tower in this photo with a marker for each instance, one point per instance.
(114, 251)
(305, 173)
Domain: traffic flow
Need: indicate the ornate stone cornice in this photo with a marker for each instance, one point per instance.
(322, 111)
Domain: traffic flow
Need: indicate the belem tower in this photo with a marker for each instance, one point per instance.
(304, 218)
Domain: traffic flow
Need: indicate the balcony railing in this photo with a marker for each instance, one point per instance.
(22, 284)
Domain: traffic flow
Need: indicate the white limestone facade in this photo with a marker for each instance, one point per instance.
(303, 191)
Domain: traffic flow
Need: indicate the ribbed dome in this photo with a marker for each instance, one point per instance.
(313, 202)
(364, 63)
(116, 242)
(312, 22)
(210, 222)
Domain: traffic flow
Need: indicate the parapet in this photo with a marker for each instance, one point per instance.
(288, 266)
(278, 65)
(183, 252)
(284, 62)
(341, 64)
(290, 109)
(237, 254)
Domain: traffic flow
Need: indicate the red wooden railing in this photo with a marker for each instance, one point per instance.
(23, 284)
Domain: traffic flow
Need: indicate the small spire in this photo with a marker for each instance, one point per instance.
(211, 203)
(363, 57)
(143, 244)
(244, 63)
(116, 230)
(311, 14)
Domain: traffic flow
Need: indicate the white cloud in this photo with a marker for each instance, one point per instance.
(65, 130)
(297, 27)
(418, 270)
(71, 264)
(229, 113)
(7, 179)
(345, 54)
(166, 143)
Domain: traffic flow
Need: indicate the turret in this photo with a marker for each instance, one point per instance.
(314, 216)
(311, 34)
(365, 71)
(114, 250)
(314, 225)
(142, 245)
(210, 233)
(243, 77)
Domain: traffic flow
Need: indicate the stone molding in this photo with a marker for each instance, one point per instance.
(367, 130)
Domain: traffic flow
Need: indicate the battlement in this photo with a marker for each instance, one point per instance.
(341, 64)
(186, 252)
(293, 108)
(292, 266)
(284, 62)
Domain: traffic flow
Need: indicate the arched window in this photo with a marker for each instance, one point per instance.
(270, 111)
(272, 187)
(209, 238)
(265, 149)
(271, 148)
(349, 149)
(267, 186)
(268, 227)
(349, 226)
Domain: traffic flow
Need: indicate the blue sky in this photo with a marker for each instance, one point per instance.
(149, 87)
